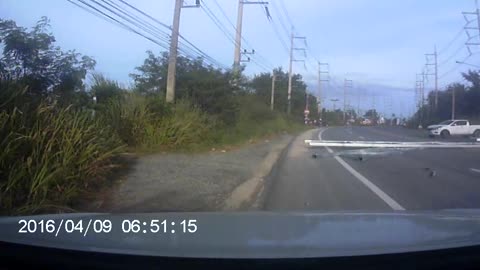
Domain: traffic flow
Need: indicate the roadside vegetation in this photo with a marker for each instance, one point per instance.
(62, 124)
(467, 102)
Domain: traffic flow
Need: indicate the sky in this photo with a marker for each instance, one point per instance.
(379, 45)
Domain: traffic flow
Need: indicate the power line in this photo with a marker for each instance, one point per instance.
(452, 56)
(453, 69)
(159, 37)
(115, 21)
(191, 51)
(134, 20)
(261, 65)
(282, 5)
(169, 28)
(224, 14)
(280, 18)
(451, 42)
(145, 14)
(257, 55)
(97, 12)
(277, 33)
(217, 22)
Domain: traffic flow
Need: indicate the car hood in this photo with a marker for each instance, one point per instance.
(434, 126)
(263, 234)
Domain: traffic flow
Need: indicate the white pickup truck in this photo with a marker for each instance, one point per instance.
(454, 127)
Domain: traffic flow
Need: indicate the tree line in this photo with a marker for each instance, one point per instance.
(464, 96)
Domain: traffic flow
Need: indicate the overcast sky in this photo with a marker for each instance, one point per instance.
(378, 44)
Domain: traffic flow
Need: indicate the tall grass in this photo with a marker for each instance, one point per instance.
(128, 116)
(49, 155)
(143, 122)
(184, 126)
(256, 120)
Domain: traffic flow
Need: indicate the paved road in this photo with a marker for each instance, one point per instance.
(345, 179)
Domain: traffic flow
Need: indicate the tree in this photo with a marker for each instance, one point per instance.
(351, 113)
(371, 114)
(30, 58)
(262, 86)
(473, 93)
(205, 86)
(333, 117)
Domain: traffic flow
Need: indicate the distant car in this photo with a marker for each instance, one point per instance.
(366, 122)
(454, 127)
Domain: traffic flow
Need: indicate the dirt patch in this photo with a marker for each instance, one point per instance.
(184, 182)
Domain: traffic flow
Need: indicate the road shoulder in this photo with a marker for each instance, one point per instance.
(217, 180)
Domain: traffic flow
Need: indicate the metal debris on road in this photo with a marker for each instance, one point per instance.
(391, 144)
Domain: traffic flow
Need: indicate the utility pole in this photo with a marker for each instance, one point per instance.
(334, 103)
(435, 64)
(272, 98)
(420, 86)
(358, 101)
(292, 48)
(467, 26)
(320, 80)
(436, 78)
(238, 36)
(172, 57)
(347, 84)
(453, 103)
(306, 101)
(289, 97)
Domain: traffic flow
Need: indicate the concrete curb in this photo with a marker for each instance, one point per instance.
(246, 194)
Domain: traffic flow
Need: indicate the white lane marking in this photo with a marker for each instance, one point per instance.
(384, 196)
(475, 170)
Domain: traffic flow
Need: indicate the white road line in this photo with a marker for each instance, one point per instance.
(475, 170)
(384, 196)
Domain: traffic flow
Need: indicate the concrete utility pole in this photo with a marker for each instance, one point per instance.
(453, 103)
(420, 86)
(272, 98)
(292, 48)
(478, 15)
(467, 27)
(334, 103)
(435, 64)
(238, 38)
(320, 80)
(237, 58)
(347, 84)
(172, 57)
(436, 77)
(306, 101)
(289, 97)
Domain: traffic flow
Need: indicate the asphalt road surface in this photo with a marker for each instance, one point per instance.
(348, 179)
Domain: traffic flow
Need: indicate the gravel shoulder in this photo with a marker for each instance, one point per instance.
(187, 182)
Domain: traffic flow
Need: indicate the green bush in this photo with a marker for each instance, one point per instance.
(50, 155)
(146, 121)
(128, 116)
(105, 89)
(255, 119)
(186, 125)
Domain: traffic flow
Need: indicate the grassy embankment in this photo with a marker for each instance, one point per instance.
(53, 155)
